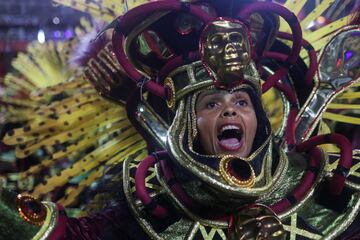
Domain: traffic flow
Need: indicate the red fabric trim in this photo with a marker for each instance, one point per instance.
(59, 231)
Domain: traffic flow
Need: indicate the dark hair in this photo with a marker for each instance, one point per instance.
(263, 129)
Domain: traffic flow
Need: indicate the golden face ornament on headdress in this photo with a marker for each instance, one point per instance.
(225, 50)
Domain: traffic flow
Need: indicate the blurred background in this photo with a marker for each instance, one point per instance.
(24, 21)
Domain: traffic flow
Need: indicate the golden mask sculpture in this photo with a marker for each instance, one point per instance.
(225, 49)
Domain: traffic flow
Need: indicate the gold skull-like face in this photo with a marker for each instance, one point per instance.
(226, 50)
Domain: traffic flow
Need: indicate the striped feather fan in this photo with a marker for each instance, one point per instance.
(73, 134)
(80, 134)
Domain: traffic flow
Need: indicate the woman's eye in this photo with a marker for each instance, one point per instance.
(211, 105)
(242, 103)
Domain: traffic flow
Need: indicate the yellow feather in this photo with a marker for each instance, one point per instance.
(87, 163)
(20, 83)
(314, 14)
(341, 118)
(73, 192)
(349, 95)
(327, 29)
(344, 106)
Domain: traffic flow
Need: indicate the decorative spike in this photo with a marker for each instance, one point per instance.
(332, 166)
(295, 6)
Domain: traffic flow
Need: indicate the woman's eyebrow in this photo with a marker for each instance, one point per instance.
(214, 92)
(241, 93)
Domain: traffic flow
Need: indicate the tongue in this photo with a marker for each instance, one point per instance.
(229, 141)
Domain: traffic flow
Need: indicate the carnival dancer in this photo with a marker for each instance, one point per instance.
(216, 169)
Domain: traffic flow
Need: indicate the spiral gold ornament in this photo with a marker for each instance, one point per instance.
(30, 209)
(225, 172)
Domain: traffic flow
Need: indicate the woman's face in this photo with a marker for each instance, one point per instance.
(226, 122)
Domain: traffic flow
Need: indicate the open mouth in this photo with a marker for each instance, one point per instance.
(230, 137)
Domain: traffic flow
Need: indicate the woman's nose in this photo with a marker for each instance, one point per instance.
(229, 112)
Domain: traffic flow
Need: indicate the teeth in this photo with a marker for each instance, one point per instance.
(228, 127)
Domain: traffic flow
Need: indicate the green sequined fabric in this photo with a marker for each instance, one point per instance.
(12, 226)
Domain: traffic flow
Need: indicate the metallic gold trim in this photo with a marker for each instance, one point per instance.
(192, 233)
(193, 83)
(171, 100)
(223, 166)
(145, 225)
(49, 223)
(192, 88)
(351, 215)
(188, 213)
(278, 176)
(294, 230)
(187, 68)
